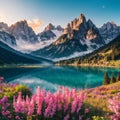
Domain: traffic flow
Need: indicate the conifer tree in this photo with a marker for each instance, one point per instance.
(113, 79)
(118, 77)
(106, 79)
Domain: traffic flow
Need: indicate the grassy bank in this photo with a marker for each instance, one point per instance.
(110, 64)
(17, 103)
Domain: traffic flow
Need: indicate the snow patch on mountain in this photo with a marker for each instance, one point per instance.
(27, 41)
(109, 31)
(7, 38)
(50, 33)
(57, 33)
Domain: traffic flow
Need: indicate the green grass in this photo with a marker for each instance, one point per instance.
(99, 106)
(97, 101)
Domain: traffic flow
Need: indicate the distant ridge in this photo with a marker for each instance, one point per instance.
(10, 56)
(102, 56)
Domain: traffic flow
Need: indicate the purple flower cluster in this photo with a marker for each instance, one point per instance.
(64, 104)
(114, 106)
(47, 104)
(4, 108)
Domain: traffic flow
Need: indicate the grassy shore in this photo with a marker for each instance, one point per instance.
(22, 66)
(98, 98)
(110, 64)
(18, 103)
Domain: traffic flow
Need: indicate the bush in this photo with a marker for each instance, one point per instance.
(9, 90)
(24, 89)
(98, 118)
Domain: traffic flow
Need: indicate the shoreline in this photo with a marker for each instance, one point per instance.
(73, 65)
(21, 66)
(88, 65)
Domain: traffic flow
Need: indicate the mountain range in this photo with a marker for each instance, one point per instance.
(26, 39)
(79, 37)
(105, 55)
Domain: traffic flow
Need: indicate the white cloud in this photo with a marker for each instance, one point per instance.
(74, 55)
(26, 47)
(35, 24)
(29, 47)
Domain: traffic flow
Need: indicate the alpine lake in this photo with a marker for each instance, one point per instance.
(50, 77)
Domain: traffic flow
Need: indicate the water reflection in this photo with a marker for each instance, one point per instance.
(51, 77)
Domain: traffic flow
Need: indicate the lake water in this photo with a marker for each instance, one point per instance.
(49, 78)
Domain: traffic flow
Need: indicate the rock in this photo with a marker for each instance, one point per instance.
(22, 31)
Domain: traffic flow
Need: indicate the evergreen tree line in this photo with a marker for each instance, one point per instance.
(107, 80)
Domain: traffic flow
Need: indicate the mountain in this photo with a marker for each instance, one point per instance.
(50, 32)
(49, 35)
(10, 56)
(21, 37)
(109, 31)
(106, 55)
(79, 36)
(7, 38)
(3, 26)
(22, 32)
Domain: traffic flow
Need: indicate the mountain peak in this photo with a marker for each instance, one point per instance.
(22, 22)
(3, 26)
(90, 24)
(89, 21)
(22, 31)
(81, 18)
(50, 26)
(109, 31)
(50, 32)
(112, 23)
(59, 28)
(76, 24)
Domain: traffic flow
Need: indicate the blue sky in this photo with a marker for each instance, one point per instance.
(59, 11)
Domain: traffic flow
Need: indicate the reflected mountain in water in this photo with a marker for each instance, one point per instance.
(49, 78)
